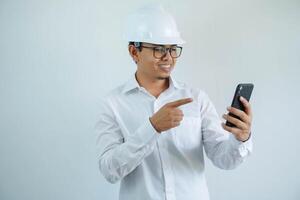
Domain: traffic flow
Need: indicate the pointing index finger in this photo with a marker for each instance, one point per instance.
(180, 102)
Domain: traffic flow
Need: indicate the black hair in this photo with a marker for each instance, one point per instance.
(138, 45)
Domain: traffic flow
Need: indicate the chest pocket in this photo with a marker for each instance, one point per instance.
(188, 134)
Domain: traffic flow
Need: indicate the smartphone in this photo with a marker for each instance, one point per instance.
(244, 90)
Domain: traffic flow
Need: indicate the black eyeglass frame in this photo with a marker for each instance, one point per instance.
(165, 50)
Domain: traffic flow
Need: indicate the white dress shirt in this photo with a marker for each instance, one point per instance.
(166, 166)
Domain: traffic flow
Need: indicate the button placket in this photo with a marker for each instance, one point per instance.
(165, 161)
(166, 167)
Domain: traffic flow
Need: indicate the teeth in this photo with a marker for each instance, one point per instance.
(165, 66)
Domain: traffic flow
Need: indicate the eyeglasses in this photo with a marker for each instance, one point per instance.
(160, 51)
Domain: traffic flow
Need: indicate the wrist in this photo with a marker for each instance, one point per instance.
(247, 138)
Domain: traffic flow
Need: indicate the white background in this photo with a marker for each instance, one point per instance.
(58, 58)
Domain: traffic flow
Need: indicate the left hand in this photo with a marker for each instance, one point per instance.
(243, 125)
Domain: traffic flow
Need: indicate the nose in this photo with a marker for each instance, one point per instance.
(167, 55)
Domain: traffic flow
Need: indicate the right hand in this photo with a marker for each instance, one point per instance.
(169, 116)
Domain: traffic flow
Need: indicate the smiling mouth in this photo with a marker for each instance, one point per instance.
(166, 68)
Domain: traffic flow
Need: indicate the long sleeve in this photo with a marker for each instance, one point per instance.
(221, 147)
(118, 156)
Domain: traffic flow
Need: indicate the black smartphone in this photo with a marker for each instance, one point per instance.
(244, 90)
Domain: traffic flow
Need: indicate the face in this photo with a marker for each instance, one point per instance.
(152, 67)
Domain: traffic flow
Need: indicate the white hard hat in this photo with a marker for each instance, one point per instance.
(152, 24)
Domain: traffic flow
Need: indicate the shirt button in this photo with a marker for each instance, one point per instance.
(242, 148)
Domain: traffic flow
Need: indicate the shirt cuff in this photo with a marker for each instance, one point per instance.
(244, 148)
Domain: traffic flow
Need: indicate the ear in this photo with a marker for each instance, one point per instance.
(133, 51)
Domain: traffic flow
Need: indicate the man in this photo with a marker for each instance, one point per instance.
(152, 130)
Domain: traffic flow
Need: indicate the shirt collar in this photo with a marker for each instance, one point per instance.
(132, 84)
